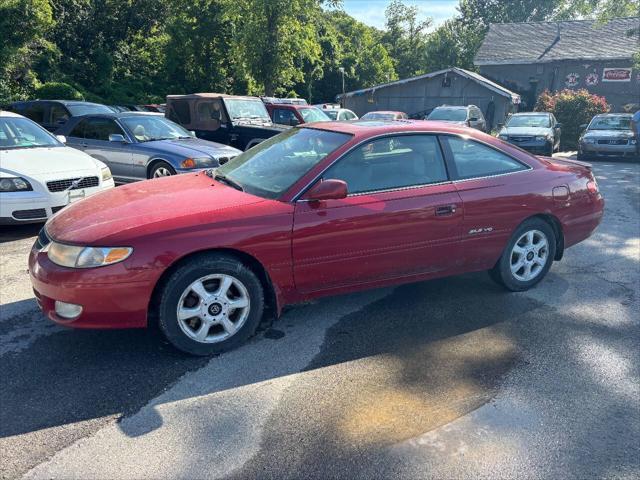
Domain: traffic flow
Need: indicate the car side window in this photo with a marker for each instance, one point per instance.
(35, 112)
(101, 128)
(283, 116)
(78, 130)
(391, 163)
(472, 159)
(59, 114)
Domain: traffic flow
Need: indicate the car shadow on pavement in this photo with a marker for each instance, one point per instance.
(9, 233)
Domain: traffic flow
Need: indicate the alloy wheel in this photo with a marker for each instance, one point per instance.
(529, 255)
(213, 308)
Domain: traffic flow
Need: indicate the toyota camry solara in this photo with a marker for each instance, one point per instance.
(324, 209)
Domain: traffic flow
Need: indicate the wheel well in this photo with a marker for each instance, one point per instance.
(153, 162)
(557, 230)
(247, 260)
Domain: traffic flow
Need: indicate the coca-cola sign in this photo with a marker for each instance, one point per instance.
(616, 75)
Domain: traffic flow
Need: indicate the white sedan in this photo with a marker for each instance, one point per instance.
(39, 174)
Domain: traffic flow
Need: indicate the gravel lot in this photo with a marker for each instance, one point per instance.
(452, 378)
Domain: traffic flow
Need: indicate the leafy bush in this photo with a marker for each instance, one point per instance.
(572, 108)
(57, 91)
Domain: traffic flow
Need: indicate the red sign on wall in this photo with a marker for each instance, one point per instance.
(616, 75)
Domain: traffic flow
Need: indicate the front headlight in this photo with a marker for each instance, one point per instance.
(106, 174)
(543, 138)
(14, 184)
(86, 257)
(203, 162)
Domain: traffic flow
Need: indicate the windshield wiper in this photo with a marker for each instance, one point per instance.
(228, 181)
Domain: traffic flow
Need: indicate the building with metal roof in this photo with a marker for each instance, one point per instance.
(535, 56)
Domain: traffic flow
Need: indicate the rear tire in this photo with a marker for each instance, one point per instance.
(211, 304)
(527, 257)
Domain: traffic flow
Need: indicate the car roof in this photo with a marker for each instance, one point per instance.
(5, 113)
(454, 107)
(194, 96)
(614, 115)
(522, 114)
(63, 102)
(376, 127)
(121, 114)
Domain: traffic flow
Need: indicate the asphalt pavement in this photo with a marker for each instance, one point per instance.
(453, 378)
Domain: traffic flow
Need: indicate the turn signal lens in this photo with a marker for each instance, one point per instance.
(188, 163)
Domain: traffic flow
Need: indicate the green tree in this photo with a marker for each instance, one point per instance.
(405, 38)
(22, 26)
(453, 44)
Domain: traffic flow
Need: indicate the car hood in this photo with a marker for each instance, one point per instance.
(42, 163)
(192, 148)
(608, 134)
(119, 216)
(526, 131)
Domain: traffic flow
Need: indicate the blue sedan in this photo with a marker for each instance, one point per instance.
(138, 146)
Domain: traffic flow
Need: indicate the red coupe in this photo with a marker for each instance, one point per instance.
(319, 210)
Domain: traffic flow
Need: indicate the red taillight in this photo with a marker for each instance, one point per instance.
(592, 186)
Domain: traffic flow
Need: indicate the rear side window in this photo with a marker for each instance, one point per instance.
(59, 114)
(391, 163)
(35, 112)
(179, 112)
(472, 159)
(283, 116)
(101, 128)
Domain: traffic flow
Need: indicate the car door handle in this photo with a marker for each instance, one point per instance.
(444, 210)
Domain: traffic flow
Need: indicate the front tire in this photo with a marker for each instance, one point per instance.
(211, 304)
(527, 257)
(161, 169)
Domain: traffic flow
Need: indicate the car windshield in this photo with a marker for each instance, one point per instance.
(78, 109)
(16, 132)
(611, 123)
(313, 114)
(378, 116)
(332, 114)
(449, 114)
(529, 121)
(271, 167)
(243, 109)
(147, 128)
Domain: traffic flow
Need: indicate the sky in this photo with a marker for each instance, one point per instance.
(371, 12)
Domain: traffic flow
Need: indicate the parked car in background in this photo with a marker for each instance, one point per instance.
(338, 114)
(609, 135)
(313, 211)
(241, 122)
(155, 107)
(537, 132)
(384, 115)
(52, 114)
(469, 116)
(289, 100)
(139, 145)
(39, 175)
(294, 114)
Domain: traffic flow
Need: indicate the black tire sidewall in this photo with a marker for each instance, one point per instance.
(189, 272)
(503, 269)
(161, 164)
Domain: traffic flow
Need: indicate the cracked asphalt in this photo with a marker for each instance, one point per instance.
(453, 378)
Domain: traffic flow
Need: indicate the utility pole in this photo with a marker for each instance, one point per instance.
(341, 69)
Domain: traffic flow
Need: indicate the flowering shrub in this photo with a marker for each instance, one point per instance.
(572, 108)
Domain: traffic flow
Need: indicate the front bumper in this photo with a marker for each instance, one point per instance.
(604, 150)
(533, 146)
(37, 207)
(108, 296)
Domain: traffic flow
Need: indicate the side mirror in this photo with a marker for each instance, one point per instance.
(192, 133)
(61, 138)
(559, 125)
(116, 137)
(326, 190)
